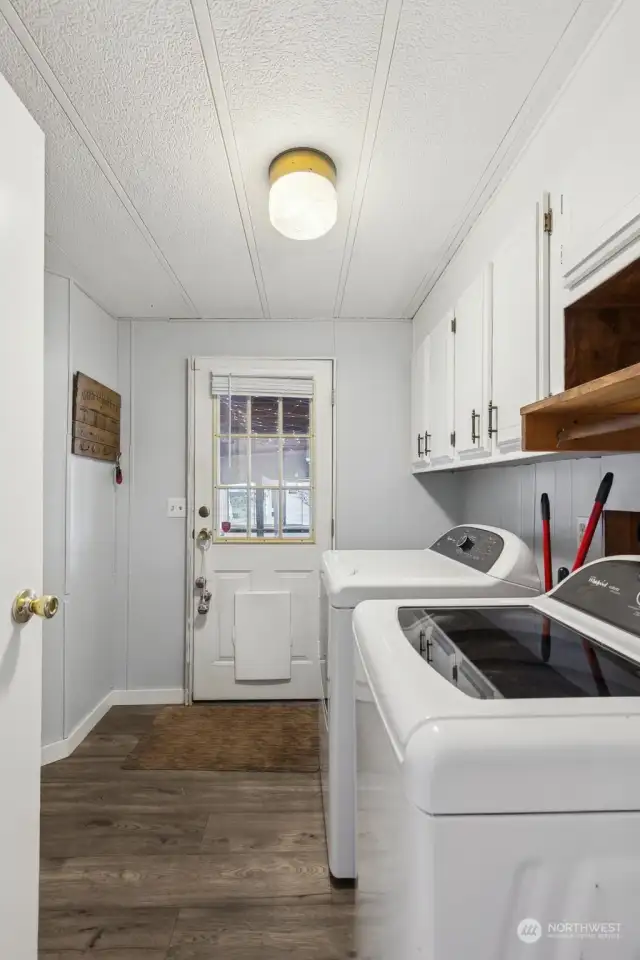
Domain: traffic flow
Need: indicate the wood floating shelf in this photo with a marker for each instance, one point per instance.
(602, 415)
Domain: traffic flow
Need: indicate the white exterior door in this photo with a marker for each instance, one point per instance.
(262, 511)
(21, 443)
(473, 367)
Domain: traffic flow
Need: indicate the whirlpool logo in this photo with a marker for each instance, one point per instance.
(529, 930)
(598, 583)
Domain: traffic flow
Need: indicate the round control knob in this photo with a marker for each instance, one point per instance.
(465, 543)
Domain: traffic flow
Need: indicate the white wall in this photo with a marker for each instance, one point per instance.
(378, 503)
(510, 497)
(80, 517)
(582, 151)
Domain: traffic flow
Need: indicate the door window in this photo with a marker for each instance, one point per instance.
(263, 468)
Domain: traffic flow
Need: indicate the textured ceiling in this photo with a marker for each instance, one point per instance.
(162, 117)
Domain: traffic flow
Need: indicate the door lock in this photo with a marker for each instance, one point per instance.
(204, 537)
(204, 511)
(205, 596)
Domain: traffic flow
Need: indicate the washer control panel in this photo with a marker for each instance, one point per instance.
(472, 546)
(609, 590)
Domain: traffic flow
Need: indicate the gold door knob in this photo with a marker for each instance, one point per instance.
(26, 604)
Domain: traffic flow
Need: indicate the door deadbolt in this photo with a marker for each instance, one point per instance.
(204, 511)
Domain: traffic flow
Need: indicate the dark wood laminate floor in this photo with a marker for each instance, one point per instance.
(143, 865)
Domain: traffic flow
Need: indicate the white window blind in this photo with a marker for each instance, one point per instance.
(228, 384)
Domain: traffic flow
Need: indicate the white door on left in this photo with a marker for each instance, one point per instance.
(21, 446)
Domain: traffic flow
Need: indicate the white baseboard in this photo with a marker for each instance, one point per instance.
(60, 749)
(136, 698)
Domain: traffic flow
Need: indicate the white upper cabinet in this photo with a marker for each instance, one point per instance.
(419, 409)
(487, 358)
(440, 392)
(520, 326)
(473, 368)
(601, 185)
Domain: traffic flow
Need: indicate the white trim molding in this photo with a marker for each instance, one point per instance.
(60, 749)
(138, 698)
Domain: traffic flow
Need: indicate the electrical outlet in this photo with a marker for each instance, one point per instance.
(581, 526)
(177, 507)
(597, 545)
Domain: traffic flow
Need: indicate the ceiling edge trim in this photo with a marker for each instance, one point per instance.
(44, 69)
(334, 320)
(517, 138)
(207, 38)
(388, 36)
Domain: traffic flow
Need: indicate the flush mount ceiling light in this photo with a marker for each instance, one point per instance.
(302, 200)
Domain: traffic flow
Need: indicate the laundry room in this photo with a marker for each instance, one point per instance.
(321, 445)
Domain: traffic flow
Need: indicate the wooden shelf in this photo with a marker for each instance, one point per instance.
(602, 415)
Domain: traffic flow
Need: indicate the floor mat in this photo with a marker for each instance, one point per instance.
(232, 736)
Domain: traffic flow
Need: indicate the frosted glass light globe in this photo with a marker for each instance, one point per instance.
(303, 205)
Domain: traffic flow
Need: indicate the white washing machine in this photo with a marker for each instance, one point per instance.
(467, 561)
(498, 747)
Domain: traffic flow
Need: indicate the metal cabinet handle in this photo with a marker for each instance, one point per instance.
(419, 446)
(475, 436)
(491, 429)
(427, 446)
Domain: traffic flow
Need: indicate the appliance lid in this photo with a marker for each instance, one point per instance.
(517, 653)
(466, 561)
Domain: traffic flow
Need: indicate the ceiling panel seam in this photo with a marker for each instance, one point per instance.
(42, 66)
(207, 37)
(388, 36)
(504, 158)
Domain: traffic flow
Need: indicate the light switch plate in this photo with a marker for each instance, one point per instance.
(177, 507)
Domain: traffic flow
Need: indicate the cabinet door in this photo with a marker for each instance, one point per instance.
(440, 391)
(520, 327)
(419, 401)
(473, 367)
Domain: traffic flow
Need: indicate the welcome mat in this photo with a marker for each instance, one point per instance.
(232, 736)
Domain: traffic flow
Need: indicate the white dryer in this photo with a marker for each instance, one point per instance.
(498, 746)
(467, 561)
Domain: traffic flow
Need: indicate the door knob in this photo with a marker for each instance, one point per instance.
(26, 604)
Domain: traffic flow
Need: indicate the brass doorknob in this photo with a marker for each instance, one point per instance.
(26, 604)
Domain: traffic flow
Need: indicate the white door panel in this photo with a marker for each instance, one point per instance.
(440, 391)
(273, 547)
(473, 367)
(21, 529)
(520, 301)
(420, 402)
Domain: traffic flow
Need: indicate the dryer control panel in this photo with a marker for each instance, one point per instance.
(472, 546)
